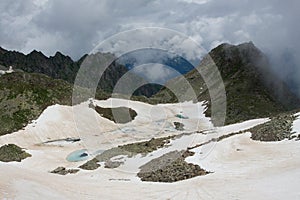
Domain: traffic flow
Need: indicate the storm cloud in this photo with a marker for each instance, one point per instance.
(75, 27)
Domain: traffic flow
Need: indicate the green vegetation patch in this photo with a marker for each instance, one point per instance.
(24, 96)
(90, 165)
(118, 115)
(134, 148)
(11, 152)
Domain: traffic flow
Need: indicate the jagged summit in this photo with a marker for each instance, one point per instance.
(35, 52)
(60, 56)
(2, 51)
(58, 66)
(63, 67)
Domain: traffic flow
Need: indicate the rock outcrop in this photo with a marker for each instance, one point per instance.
(170, 167)
(11, 152)
(64, 171)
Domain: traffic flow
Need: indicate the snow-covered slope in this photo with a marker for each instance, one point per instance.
(242, 168)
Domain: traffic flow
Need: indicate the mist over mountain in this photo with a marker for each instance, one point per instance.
(156, 65)
(252, 87)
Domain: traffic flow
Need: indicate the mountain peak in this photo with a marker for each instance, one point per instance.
(61, 57)
(247, 44)
(58, 53)
(2, 51)
(37, 53)
(242, 47)
(252, 88)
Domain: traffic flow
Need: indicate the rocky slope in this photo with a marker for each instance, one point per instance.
(252, 89)
(58, 66)
(11, 152)
(23, 97)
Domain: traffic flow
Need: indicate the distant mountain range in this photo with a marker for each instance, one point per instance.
(58, 66)
(173, 61)
(63, 67)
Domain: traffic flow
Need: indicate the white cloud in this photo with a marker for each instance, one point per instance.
(197, 1)
(75, 26)
(155, 73)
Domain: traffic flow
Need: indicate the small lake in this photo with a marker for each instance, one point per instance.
(78, 155)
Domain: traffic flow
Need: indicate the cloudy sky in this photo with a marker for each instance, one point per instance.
(75, 27)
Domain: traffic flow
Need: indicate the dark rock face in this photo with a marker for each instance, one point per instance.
(64, 171)
(118, 115)
(83, 155)
(147, 90)
(58, 66)
(11, 152)
(72, 140)
(3, 68)
(170, 167)
(179, 126)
